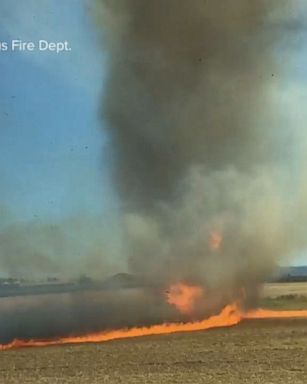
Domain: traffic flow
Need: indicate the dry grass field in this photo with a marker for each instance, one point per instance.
(283, 289)
(257, 351)
(284, 296)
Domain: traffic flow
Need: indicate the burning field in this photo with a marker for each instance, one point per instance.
(209, 185)
(183, 297)
(255, 351)
(259, 346)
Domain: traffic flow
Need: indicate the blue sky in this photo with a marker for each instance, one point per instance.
(52, 142)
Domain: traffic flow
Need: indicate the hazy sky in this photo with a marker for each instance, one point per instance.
(51, 141)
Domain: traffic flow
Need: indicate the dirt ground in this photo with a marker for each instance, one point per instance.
(257, 351)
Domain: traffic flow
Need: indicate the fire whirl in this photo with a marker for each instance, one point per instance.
(184, 297)
(215, 241)
(231, 315)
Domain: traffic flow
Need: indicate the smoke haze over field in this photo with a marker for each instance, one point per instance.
(198, 148)
(67, 249)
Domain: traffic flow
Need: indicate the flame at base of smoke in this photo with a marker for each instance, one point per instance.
(231, 315)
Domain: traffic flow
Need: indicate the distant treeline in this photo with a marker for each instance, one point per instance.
(10, 287)
(290, 279)
(290, 274)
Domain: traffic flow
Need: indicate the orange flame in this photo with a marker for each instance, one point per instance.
(215, 240)
(230, 316)
(184, 297)
(270, 314)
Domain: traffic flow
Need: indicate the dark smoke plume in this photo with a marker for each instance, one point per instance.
(197, 153)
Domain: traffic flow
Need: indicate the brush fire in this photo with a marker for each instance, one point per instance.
(184, 297)
(209, 197)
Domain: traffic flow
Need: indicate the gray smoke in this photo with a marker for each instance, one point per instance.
(66, 249)
(199, 147)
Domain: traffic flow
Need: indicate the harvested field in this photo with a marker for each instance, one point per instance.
(255, 351)
(274, 290)
(284, 296)
(263, 351)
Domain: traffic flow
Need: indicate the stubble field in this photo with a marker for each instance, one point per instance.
(257, 351)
